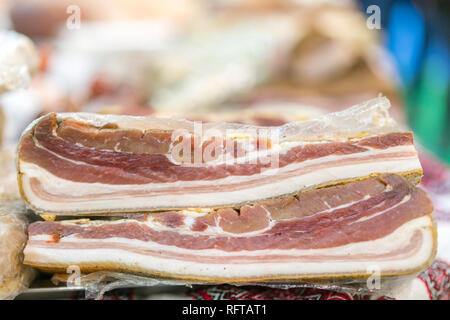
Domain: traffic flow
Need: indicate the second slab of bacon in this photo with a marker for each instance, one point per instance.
(337, 232)
(319, 218)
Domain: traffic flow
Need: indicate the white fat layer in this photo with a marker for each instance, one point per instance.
(342, 259)
(348, 167)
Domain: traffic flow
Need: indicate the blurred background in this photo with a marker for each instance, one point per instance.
(263, 62)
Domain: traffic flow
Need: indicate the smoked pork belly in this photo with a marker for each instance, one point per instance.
(345, 230)
(78, 163)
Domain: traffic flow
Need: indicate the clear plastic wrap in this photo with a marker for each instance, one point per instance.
(9, 189)
(18, 60)
(97, 284)
(14, 276)
(2, 125)
(370, 117)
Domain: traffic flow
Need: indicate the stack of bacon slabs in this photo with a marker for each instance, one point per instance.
(328, 198)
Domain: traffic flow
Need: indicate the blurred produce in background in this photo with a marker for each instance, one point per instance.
(417, 36)
(264, 62)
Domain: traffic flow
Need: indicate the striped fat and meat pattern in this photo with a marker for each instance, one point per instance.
(340, 231)
(79, 164)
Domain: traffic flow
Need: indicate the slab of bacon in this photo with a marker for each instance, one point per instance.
(381, 224)
(81, 163)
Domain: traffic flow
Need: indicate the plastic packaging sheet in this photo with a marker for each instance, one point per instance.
(9, 189)
(18, 61)
(370, 117)
(2, 125)
(14, 276)
(98, 283)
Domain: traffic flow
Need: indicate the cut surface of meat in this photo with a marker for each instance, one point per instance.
(94, 164)
(338, 231)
